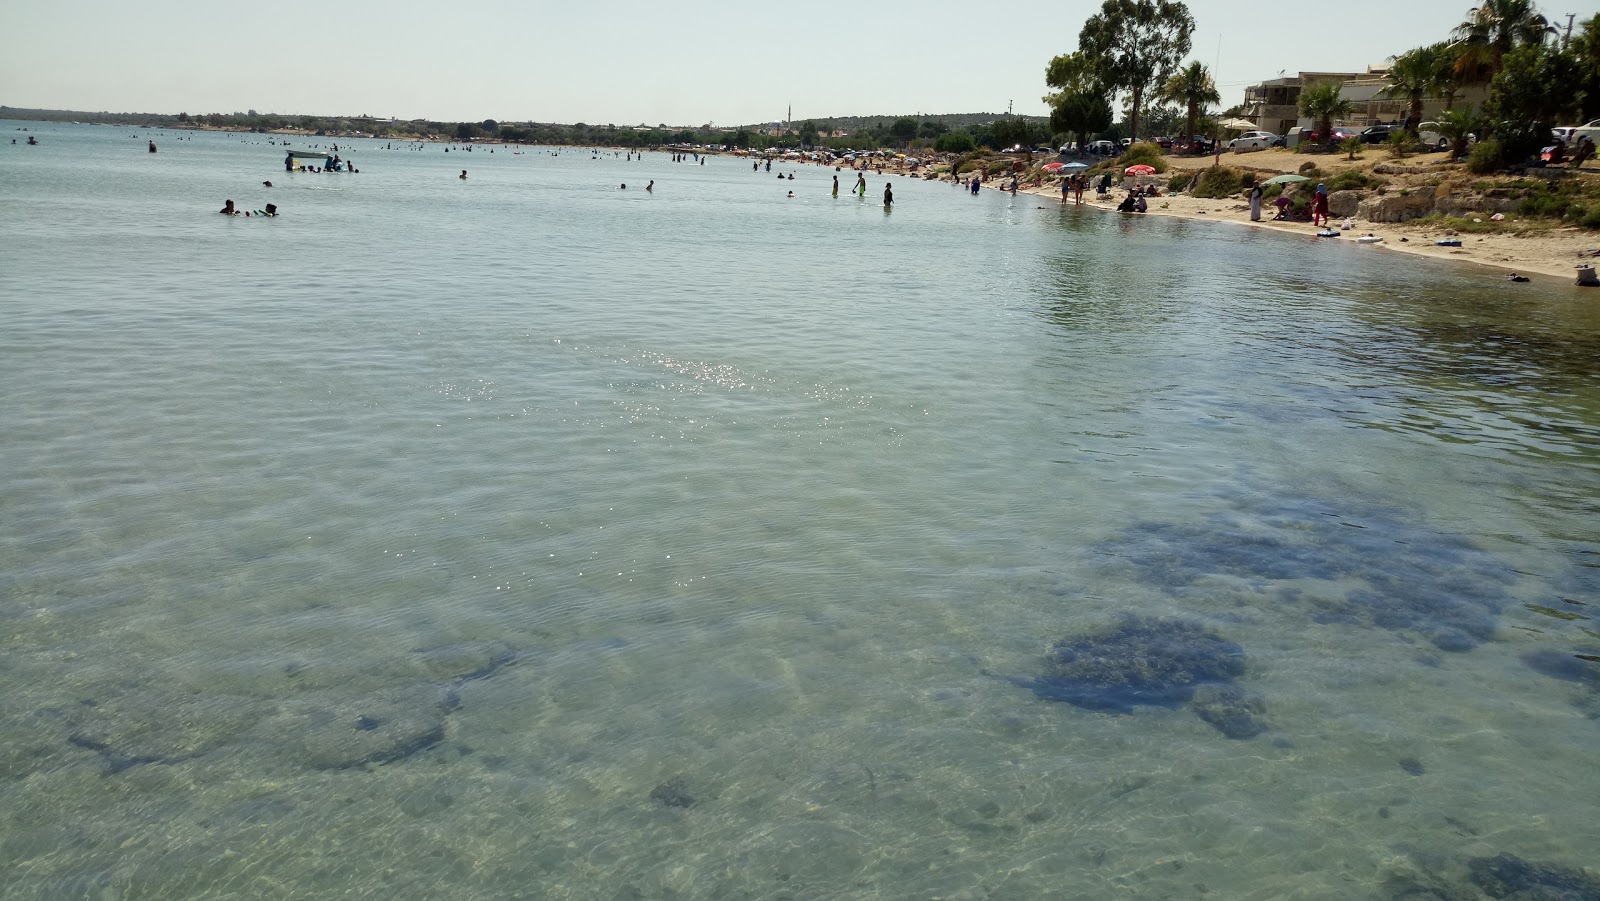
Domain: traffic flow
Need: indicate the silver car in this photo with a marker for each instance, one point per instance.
(1253, 140)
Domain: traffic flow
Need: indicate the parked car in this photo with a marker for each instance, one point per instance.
(1429, 135)
(1165, 143)
(1254, 140)
(1377, 134)
(1102, 148)
(1194, 145)
(1572, 134)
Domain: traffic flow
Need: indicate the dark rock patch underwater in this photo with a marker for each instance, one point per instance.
(1142, 661)
(1346, 564)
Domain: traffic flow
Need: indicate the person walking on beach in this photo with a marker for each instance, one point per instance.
(1066, 187)
(888, 195)
(1255, 203)
(1319, 206)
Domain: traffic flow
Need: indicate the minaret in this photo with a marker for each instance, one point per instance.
(788, 124)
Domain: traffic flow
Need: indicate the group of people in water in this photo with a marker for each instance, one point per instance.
(333, 165)
(228, 209)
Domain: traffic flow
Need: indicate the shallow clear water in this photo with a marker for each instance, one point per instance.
(523, 537)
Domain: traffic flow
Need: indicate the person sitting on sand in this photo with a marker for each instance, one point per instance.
(228, 210)
(1126, 206)
(1139, 205)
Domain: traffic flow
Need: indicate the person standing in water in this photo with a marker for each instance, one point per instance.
(651, 187)
(861, 184)
(836, 186)
(1255, 203)
(888, 195)
(463, 175)
(152, 146)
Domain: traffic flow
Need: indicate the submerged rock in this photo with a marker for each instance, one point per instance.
(1509, 876)
(672, 793)
(1346, 565)
(1142, 661)
(1230, 710)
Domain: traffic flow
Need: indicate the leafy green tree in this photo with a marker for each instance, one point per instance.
(903, 129)
(955, 142)
(1531, 92)
(465, 131)
(1191, 88)
(1492, 30)
(1080, 105)
(1585, 47)
(1135, 45)
(490, 126)
(1323, 103)
(933, 128)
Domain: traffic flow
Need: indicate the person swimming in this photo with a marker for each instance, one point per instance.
(271, 210)
(227, 209)
(623, 187)
(463, 175)
(651, 187)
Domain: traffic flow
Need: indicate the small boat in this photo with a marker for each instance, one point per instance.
(1448, 242)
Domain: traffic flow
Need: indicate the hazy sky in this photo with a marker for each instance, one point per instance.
(627, 61)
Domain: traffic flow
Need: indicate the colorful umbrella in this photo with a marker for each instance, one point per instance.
(1286, 180)
(1140, 169)
(1054, 167)
(1076, 165)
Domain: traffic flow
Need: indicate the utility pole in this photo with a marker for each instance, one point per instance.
(1568, 38)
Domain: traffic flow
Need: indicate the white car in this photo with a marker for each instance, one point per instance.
(1428, 134)
(1574, 133)
(1253, 140)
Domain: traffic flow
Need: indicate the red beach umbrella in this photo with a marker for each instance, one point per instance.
(1140, 169)
(1053, 167)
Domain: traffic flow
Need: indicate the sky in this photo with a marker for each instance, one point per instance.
(631, 62)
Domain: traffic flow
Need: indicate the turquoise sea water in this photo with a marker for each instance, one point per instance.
(522, 537)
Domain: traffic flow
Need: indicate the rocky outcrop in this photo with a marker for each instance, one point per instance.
(1345, 203)
(1466, 204)
(1394, 207)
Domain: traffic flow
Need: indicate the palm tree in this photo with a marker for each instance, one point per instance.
(1323, 103)
(1458, 125)
(1495, 28)
(1191, 88)
(1415, 74)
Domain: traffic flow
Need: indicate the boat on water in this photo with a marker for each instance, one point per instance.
(301, 159)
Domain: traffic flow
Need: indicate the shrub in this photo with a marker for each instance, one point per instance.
(1352, 146)
(1310, 170)
(1485, 157)
(1178, 182)
(1217, 181)
(1400, 144)
(1592, 220)
(1271, 192)
(1143, 152)
(1354, 180)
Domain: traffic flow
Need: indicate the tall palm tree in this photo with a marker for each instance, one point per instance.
(1323, 103)
(1495, 28)
(1413, 75)
(1192, 87)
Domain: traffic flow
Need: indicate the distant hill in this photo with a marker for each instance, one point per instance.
(832, 123)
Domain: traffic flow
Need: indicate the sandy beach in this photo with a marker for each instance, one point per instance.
(1553, 252)
(1531, 247)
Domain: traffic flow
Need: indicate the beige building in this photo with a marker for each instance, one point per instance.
(1275, 105)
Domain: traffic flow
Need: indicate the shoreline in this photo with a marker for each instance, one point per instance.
(1555, 253)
